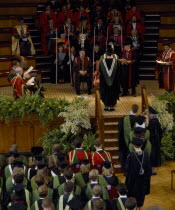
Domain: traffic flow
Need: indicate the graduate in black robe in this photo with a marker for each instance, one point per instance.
(138, 173)
(109, 79)
(155, 138)
(126, 125)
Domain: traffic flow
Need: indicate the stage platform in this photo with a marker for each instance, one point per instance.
(68, 92)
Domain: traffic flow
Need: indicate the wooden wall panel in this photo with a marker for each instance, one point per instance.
(38, 132)
(5, 36)
(166, 32)
(4, 81)
(8, 23)
(22, 1)
(5, 51)
(167, 20)
(18, 10)
(160, 47)
(7, 137)
(156, 7)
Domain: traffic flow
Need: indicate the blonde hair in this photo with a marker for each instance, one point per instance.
(84, 169)
(17, 170)
(93, 174)
(44, 172)
(107, 172)
(97, 191)
(47, 203)
(43, 191)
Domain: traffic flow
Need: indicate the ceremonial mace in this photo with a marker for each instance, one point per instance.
(70, 64)
(121, 38)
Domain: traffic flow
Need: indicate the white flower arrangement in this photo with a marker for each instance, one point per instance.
(166, 119)
(76, 117)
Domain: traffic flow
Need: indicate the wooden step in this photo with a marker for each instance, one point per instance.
(166, 32)
(110, 134)
(110, 125)
(112, 118)
(5, 50)
(111, 142)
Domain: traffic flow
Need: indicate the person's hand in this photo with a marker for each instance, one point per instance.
(26, 76)
(61, 67)
(84, 72)
(128, 62)
(81, 72)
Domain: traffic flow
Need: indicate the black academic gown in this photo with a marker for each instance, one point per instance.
(155, 139)
(138, 185)
(113, 180)
(109, 94)
(122, 145)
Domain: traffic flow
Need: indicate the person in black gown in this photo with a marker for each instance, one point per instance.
(138, 173)
(155, 138)
(126, 125)
(109, 79)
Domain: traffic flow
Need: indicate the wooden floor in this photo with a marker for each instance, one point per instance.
(161, 193)
(68, 92)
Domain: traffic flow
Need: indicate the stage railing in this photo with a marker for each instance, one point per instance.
(99, 116)
(145, 103)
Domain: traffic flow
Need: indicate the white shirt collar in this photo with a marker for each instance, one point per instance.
(92, 182)
(141, 126)
(123, 196)
(131, 113)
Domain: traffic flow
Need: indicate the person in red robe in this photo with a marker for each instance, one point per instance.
(81, 13)
(165, 70)
(128, 73)
(101, 39)
(133, 12)
(83, 26)
(44, 25)
(63, 15)
(19, 83)
(134, 25)
(115, 24)
(77, 155)
(114, 13)
(99, 156)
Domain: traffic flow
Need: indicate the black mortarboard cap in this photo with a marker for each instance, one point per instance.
(152, 111)
(137, 141)
(126, 43)
(37, 150)
(85, 162)
(15, 154)
(63, 164)
(75, 204)
(55, 170)
(140, 119)
(107, 164)
(41, 165)
(19, 187)
(38, 157)
(18, 164)
(139, 130)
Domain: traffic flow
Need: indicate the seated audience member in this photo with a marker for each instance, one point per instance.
(44, 25)
(80, 14)
(119, 203)
(65, 13)
(18, 177)
(97, 192)
(108, 174)
(94, 180)
(83, 72)
(54, 5)
(133, 12)
(116, 24)
(133, 24)
(39, 180)
(17, 195)
(77, 155)
(68, 28)
(100, 27)
(138, 173)
(83, 26)
(98, 12)
(131, 204)
(42, 192)
(67, 196)
(47, 204)
(63, 40)
(14, 152)
(82, 178)
(99, 156)
(69, 176)
(62, 74)
(21, 40)
(114, 13)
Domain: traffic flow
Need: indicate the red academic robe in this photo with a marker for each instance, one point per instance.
(111, 16)
(99, 158)
(18, 84)
(139, 28)
(110, 27)
(85, 29)
(77, 16)
(44, 28)
(81, 155)
(166, 72)
(62, 16)
(102, 41)
(130, 13)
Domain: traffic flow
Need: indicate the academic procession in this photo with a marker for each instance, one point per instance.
(87, 97)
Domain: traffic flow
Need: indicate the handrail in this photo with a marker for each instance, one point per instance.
(145, 103)
(99, 116)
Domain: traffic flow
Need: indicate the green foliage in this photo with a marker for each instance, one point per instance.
(169, 97)
(66, 141)
(46, 109)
